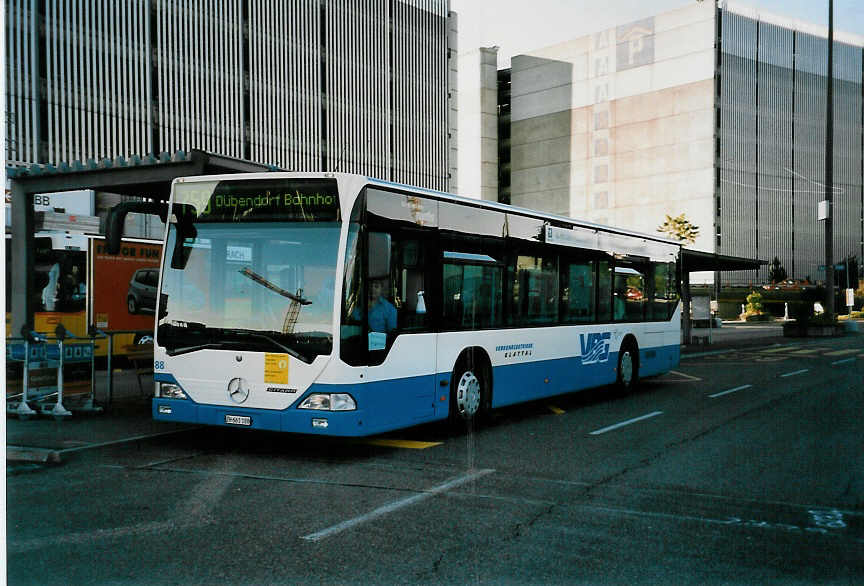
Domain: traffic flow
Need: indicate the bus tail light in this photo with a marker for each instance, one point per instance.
(329, 402)
(171, 391)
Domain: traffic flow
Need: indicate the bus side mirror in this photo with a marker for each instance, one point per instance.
(117, 216)
(163, 305)
(379, 255)
(185, 228)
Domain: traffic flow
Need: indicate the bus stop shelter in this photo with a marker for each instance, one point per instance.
(149, 177)
(695, 261)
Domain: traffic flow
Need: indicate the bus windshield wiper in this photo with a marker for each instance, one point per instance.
(253, 334)
(195, 347)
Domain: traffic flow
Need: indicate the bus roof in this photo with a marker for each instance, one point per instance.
(523, 211)
(438, 194)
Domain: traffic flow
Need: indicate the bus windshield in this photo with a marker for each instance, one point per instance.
(258, 278)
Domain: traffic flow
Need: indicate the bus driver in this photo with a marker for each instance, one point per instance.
(382, 314)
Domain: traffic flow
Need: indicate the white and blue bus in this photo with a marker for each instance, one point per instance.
(329, 303)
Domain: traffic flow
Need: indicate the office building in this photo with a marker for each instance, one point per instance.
(718, 113)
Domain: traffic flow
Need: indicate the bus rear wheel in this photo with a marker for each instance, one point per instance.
(628, 367)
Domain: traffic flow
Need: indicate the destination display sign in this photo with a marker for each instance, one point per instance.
(262, 200)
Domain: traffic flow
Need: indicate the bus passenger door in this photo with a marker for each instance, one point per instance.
(402, 351)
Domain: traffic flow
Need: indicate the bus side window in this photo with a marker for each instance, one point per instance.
(353, 344)
(409, 269)
(401, 232)
(664, 295)
(629, 293)
(604, 289)
(578, 291)
(534, 290)
(472, 295)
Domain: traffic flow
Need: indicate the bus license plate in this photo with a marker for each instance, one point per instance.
(238, 420)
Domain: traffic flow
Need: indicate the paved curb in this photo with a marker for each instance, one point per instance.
(25, 454)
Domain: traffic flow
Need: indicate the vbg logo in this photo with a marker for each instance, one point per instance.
(595, 347)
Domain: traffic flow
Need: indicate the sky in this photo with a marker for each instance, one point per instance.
(518, 26)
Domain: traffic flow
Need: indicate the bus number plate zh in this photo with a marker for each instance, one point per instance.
(238, 420)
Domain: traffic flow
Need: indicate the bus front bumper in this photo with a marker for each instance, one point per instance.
(336, 423)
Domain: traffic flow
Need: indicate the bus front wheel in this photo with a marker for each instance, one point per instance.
(628, 367)
(469, 393)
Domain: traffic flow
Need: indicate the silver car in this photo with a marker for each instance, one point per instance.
(142, 291)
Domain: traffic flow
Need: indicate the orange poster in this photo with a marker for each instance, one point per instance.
(124, 286)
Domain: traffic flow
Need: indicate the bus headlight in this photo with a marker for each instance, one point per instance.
(171, 391)
(329, 402)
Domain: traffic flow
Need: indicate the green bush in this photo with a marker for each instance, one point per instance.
(755, 310)
(754, 303)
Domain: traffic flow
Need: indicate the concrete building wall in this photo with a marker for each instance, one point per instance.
(478, 124)
(666, 116)
(452, 101)
(617, 127)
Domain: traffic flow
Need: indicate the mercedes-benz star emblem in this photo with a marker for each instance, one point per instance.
(238, 390)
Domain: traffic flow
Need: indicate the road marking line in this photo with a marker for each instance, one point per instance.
(842, 352)
(395, 506)
(844, 361)
(780, 349)
(628, 422)
(397, 443)
(794, 372)
(806, 351)
(735, 390)
(556, 410)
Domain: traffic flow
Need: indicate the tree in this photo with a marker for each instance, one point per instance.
(776, 272)
(679, 228)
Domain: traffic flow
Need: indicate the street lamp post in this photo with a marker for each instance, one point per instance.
(829, 170)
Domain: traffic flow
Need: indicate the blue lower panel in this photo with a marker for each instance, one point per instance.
(389, 405)
(534, 380)
(655, 361)
(384, 406)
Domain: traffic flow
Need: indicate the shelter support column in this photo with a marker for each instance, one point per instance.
(686, 326)
(22, 258)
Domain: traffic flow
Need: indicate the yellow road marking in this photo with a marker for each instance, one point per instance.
(556, 410)
(406, 444)
(780, 349)
(842, 352)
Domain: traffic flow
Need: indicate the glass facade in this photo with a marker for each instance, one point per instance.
(771, 125)
(306, 85)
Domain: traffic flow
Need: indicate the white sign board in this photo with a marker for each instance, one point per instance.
(850, 297)
(823, 212)
(76, 203)
(701, 307)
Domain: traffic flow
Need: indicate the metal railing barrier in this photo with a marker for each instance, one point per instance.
(39, 353)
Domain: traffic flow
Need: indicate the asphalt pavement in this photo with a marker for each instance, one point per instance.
(124, 414)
